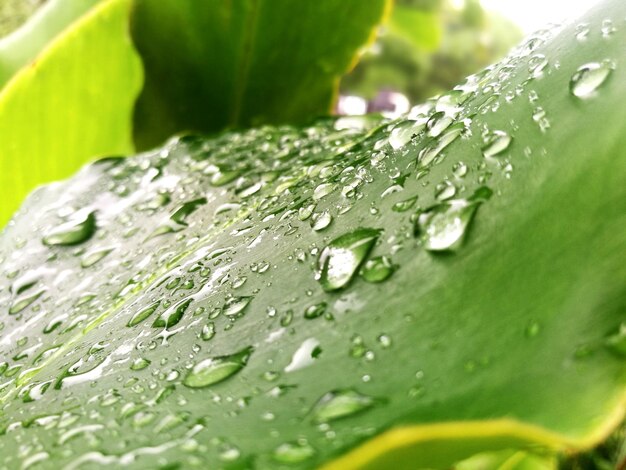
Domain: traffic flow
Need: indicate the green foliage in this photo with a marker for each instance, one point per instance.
(358, 293)
(422, 62)
(63, 110)
(266, 61)
(208, 66)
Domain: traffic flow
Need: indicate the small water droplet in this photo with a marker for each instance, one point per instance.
(140, 363)
(321, 220)
(172, 315)
(403, 132)
(443, 227)
(144, 313)
(73, 232)
(616, 342)
(314, 311)
(588, 78)
(495, 143)
(445, 191)
(341, 259)
(305, 355)
(377, 269)
(208, 331)
(235, 306)
(293, 452)
(402, 206)
(217, 369)
(339, 404)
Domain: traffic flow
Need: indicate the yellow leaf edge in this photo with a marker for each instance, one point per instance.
(403, 438)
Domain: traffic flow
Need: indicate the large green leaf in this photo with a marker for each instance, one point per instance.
(23, 45)
(63, 109)
(280, 298)
(243, 62)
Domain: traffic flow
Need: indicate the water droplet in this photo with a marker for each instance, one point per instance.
(341, 259)
(293, 452)
(180, 214)
(616, 342)
(73, 232)
(443, 227)
(216, 369)
(432, 150)
(305, 355)
(402, 206)
(208, 331)
(445, 191)
(314, 311)
(533, 329)
(144, 313)
(588, 78)
(377, 269)
(93, 257)
(438, 123)
(235, 306)
(459, 169)
(21, 303)
(536, 65)
(403, 132)
(339, 404)
(172, 315)
(321, 220)
(140, 363)
(496, 142)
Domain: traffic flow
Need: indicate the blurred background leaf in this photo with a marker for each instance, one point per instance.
(243, 63)
(22, 46)
(463, 39)
(63, 109)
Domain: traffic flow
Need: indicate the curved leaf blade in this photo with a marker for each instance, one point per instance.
(506, 341)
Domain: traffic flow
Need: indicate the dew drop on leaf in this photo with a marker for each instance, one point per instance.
(339, 404)
(293, 452)
(341, 259)
(403, 132)
(236, 305)
(314, 311)
(144, 313)
(216, 369)
(588, 78)
(377, 269)
(172, 315)
(73, 232)
(496, 142)
(443, 227)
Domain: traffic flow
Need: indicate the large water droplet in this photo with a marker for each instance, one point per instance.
(377, 269)
(341, 259)
(144, 313)
(172, 315)
(588, 78)
(305, 355)
(236, 305)
(442, 227)
(293, 452)
(341, 404)
(216, 369)
(403, 132)
(496, 142)
(73, 232)
(180, 214)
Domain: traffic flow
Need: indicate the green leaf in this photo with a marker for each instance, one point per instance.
(422, 28)
(23, 45)
(194, 326)
(63, 109)
(242, 63)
